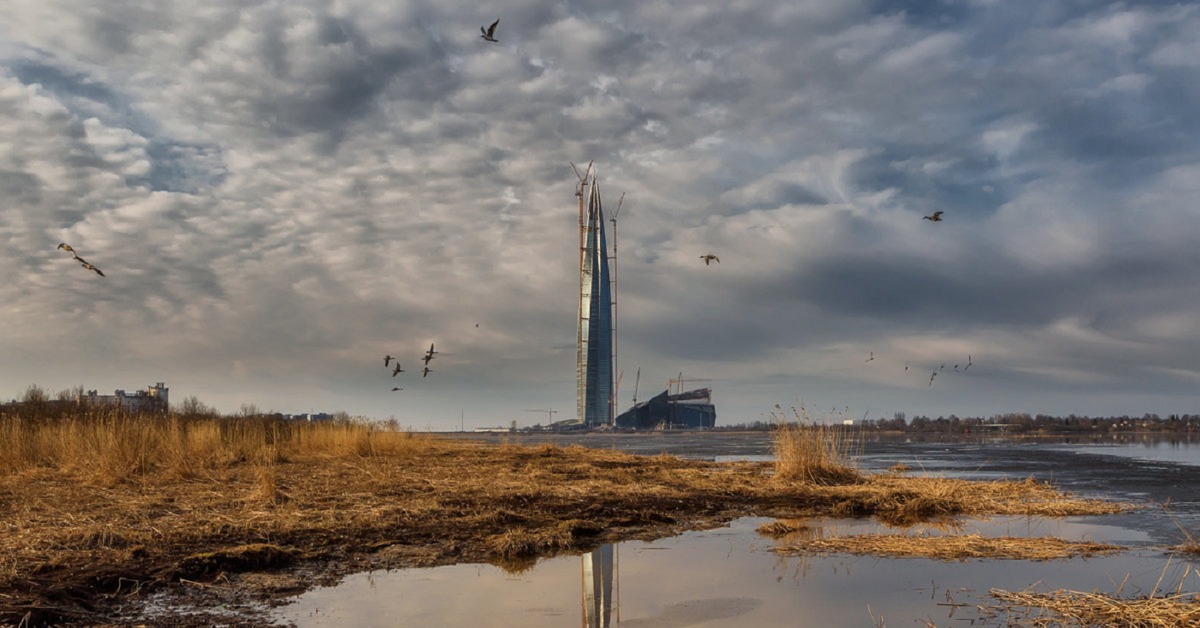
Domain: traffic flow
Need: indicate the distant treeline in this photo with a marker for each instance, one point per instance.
(39, 403)
(1012, 423)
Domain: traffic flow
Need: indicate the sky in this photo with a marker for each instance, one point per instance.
(282, 192)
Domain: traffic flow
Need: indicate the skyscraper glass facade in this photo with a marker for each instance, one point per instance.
(595, 341)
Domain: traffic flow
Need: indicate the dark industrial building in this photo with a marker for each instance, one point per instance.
(688, 410)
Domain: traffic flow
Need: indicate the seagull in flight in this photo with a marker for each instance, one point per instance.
(871, 358)
(968, 363)
(387, 359)
(936, 217)
(426, 371)
(709, 257)
(429, 355)
(489, 33)
(396, 371)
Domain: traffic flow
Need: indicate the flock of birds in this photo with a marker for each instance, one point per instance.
(67, 247)
(429, 353)
(934, 374)
(489, 34)
(709, 257)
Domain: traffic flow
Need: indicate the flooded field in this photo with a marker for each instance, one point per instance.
(733, 577)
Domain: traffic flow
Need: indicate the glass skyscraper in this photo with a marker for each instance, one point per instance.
(595, 339)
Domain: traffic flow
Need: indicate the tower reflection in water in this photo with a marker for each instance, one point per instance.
(599, 567)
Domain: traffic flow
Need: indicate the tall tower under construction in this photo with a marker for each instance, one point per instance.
(595, 337)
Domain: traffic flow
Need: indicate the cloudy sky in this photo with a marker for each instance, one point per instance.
(281, 192)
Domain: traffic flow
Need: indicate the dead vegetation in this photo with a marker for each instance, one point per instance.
(1077, 608)
(811, 452)
(948, 547)
(97, 510)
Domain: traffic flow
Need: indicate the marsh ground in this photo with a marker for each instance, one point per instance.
(241, 531)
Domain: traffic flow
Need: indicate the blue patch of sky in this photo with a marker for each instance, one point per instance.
(175, 166)
(969, 184)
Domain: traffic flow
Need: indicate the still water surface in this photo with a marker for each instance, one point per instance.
(730, 576)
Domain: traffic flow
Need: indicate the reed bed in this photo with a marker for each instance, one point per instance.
(1077, 608)
(94, 501)
(107, 447)
(948, 547)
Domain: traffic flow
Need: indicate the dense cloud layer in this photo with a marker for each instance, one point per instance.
(280, 193)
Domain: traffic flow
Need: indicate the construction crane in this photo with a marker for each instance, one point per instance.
(681, 379)
(549, 413)
(636, 381)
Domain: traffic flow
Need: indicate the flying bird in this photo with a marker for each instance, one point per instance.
(489, 33)
(396, 371)
(906, 366)
(426, 371)
(66, 247)
(395, 388)
(870, 358)
(429, 355)
(709, 257)
(936, 217)
(931, 376)
(387, 359)
(88, 266)
(968, 363)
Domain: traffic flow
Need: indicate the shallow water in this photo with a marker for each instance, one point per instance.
(730, 577)
(1154, 451)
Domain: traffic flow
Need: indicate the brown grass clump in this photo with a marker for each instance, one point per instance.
(901, 500)
(949, 547)
(1190, 547)
(781, 528)
(817, 453)
(1075, 608)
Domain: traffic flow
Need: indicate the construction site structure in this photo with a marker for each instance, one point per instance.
(594, 342)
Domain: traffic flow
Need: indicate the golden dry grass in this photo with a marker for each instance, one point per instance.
(948, 547)
(1077, 608)
(93, 502)
(807, 452)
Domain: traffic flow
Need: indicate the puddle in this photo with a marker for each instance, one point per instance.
(729, 577)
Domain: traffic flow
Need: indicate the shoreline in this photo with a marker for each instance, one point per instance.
(250, 533)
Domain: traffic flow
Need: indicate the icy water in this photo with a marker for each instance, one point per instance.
(731, 576)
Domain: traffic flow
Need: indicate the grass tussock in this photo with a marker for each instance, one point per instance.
(812, 452)
(948, 547)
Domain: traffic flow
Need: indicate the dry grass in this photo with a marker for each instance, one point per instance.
(1076, 608)
(949, 547)
(808, 452)
(91, 503)
(108, 447)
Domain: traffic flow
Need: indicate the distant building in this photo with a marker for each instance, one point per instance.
(153, 399)
(688, 410)
(594, 346)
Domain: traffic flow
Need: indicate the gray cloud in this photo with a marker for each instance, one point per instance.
(282, 193)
